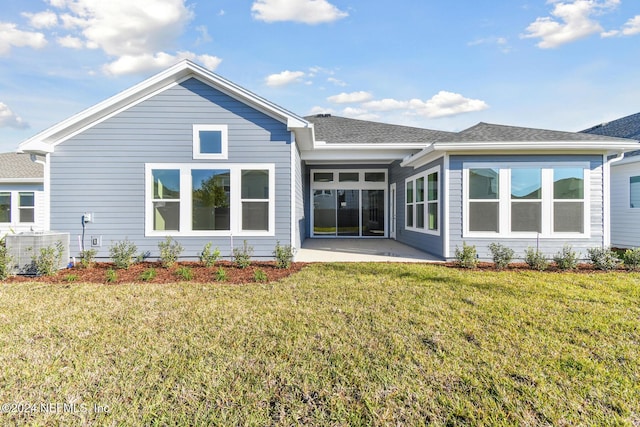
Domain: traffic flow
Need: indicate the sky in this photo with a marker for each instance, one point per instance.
(446, 65)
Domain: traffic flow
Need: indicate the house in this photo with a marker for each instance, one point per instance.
(191, 155)
(22, 204)
(625, 183)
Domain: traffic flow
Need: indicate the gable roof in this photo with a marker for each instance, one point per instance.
(625, 127)
(341, 130)
(16, 167)
(45, 141)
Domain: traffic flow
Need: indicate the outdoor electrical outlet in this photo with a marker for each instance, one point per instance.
(96, 241)
(88, 217)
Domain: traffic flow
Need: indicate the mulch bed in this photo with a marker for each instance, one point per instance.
(201, 274)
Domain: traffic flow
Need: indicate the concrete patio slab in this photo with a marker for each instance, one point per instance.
(360, 250)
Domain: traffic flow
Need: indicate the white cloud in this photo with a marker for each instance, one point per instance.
(10, 37)
(204, 37)
(131, 64)
(70, 42)
(445, 104)
(284, 78)
(305, 11)
(632, 26)
(386, 104)
(45, 19)
(320, 110)
(9, 119)
(336, 82)
(571, 21)
(349, 98)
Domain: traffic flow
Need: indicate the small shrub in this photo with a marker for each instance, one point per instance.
(284, 255)
(260, 276)
(185, 273)
(148, 274)
(5, 262)
(88, 258)
(221, 275)
(566, 259)
(70, 278)
(170, 251)
(501, 255)
(603, 258)
(111, 276)
(535, 259)
(47, 261)
(631, 258)
(242, 256)
(467, 257)
(123, 254)
(209, 258)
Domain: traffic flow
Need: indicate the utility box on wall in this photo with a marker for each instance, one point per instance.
(24, 247)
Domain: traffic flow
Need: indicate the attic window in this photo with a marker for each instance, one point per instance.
(210, 142)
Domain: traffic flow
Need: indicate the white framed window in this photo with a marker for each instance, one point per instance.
(634, 192)
(5, 206)
(422, 202)
(210, 142)
(18, 207)
(210, 199)
(526, 200)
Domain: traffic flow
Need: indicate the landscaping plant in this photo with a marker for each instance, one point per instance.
(170, 251)
(603, 258)
(567, 259)
(260, 276)
(123, 254)
(208, 257)
(5, 262)
(242, 256)
(501, 255)
(631, 258)
(48, 260)
(535, 259)
(88, 258)
(184, 273)
(467, 257)
(284, 255)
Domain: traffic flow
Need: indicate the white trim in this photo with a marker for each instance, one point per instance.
(425, 202)
(224, 142)
(606, 196)
(504, 200)
(21, 180)
(445, 208)
(393, 211)
(292, 191)
(235, 202)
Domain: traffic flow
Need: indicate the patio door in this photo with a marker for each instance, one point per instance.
(349, 203)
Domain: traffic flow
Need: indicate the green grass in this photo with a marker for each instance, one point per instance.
(336, 344)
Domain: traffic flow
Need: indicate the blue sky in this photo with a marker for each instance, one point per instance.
(551, 64)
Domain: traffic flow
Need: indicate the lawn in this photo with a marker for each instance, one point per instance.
(335, 344)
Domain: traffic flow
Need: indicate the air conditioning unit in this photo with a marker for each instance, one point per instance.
(24, 247)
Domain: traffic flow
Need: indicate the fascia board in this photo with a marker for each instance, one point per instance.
(21, 180)
(537, 145)
(175, 74)
(353, 156)
(321, 145)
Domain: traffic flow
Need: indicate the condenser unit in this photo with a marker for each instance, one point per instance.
(24, 247)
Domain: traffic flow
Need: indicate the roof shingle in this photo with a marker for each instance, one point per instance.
(19, 166)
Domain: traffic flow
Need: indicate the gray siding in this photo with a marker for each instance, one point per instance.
(102, 169)
(425, 242)
(625, 221)
(550, 246)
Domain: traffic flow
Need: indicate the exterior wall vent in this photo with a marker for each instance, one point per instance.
(24, 247)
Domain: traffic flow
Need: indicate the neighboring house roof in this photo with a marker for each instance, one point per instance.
(625, 127)
(341, 130)
(16, 167)
(45, 141)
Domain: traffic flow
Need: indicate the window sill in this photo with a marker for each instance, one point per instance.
(423, 231)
